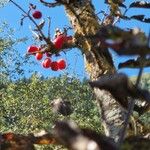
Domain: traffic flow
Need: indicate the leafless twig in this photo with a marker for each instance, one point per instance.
(54, 4)
(130, 110)
(49, 24)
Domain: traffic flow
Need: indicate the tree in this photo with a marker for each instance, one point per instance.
(92, 38)
(12, 62)
(25, 106)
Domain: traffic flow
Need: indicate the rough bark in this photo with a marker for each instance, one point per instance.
(84, 21)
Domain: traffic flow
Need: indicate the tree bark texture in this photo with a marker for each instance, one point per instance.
(98, 61)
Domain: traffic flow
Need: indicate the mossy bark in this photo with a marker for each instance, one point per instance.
(98, 62)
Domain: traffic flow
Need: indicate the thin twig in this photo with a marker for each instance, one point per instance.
(132, 102)
(49, 24)
(54, 4)
(32, 53)
(116, 20)
(130, 110)
(104, 14)
(148, 40)
(75, 64)
(134, 125)
(119, 17)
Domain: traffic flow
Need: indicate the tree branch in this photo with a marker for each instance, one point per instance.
(46, 48)
(54, 4)
(15, 141)
(130, 110)
(27, 14)
(135, 63)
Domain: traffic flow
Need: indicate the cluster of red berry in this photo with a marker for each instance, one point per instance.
(47, 62)
(60, 39)
(8, 136)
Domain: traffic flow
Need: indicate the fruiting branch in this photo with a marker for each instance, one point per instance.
(53, 50)
(28, 15)
(49, 46)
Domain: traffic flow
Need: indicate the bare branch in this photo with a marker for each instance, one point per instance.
(123, 41)
(136, 142)
(24, 142)
(135, 63)
(54, 4)
(130, 111)
(49, 24)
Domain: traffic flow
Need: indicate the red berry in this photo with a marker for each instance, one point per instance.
(39, 56)
(61, 64)
(37, 14)
(46, 63)
(54, 66)
(8, 136)
(32, 49)
(59, 41)
(68, 38)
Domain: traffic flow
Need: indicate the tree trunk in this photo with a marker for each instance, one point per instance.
(84, 21)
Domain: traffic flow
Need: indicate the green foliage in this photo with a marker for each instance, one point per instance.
(12, 62)
(145, 84)
(25, 104)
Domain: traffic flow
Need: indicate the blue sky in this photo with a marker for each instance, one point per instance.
(12, 15)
